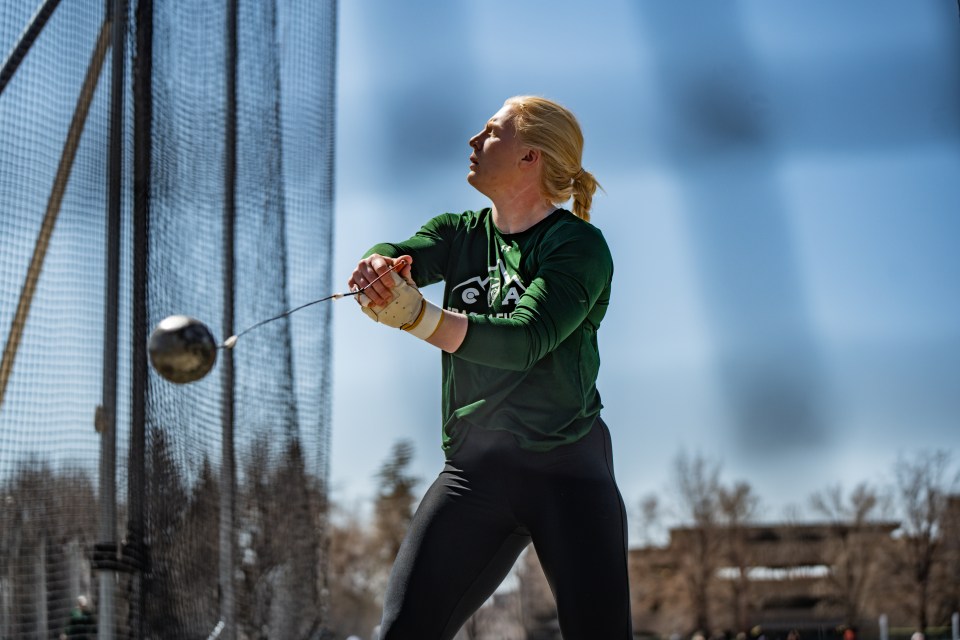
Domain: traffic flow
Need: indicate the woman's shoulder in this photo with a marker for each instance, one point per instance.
(463, 220)
(573, 237)
(569, 226)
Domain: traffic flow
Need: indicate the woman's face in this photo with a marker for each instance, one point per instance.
(496, 156)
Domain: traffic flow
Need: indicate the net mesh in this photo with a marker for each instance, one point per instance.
(261, 528)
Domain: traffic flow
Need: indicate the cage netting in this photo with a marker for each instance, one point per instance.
(229, 221)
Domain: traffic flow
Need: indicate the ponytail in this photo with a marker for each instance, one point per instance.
(584, 186)
(554, 130)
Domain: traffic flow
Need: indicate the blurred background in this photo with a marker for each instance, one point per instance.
(781, 198)
(780, 195)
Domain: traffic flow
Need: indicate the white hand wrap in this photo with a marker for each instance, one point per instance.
(408, 310)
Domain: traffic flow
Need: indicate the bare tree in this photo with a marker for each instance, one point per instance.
(852, 553)
(356, 576)
(923, 487)
(43, 513)
(167, 497)
(282, 517)
(395, 499)
(199, 544)
(738, 507)
(298, 503)
(650, 517)
(698, 485)
(362, 553)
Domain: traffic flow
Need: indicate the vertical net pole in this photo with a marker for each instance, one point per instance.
(142, 154)
(227, 470)
(115, 11)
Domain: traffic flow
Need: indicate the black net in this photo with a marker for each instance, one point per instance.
(209, 534)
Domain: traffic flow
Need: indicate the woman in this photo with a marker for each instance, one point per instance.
(528, 458)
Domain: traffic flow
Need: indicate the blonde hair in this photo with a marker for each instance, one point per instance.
(553, 130)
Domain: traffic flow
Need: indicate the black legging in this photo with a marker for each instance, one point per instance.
(491, 500)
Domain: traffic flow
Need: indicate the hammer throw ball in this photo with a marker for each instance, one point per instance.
(182, 349)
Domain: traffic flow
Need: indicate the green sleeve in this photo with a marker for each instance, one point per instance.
(429, 248)
(571, 287)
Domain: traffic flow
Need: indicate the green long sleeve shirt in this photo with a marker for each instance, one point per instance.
(534, 302)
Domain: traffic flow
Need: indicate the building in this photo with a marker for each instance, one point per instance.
(775, 577)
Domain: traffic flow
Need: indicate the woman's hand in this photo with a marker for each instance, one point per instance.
(374, 266)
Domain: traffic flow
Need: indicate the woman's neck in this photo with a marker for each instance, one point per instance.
(519, 214)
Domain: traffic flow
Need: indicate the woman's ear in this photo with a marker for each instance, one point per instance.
(531, 157)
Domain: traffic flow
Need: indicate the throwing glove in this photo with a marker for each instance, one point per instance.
(408, 310)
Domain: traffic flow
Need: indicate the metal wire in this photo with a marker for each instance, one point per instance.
(232, 340)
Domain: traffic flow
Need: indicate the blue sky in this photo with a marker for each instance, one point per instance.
(781, 199)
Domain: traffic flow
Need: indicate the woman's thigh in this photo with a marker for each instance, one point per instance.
(578, 524)
(459, 547)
